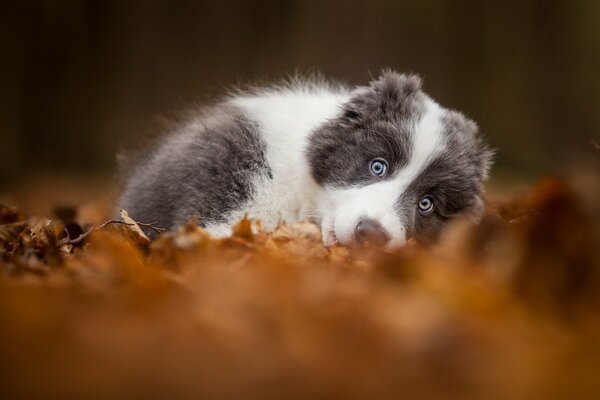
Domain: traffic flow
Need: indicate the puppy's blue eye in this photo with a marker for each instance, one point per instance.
(378, 167)
(426, 204)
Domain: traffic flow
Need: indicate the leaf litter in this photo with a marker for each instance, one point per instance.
(503, 308)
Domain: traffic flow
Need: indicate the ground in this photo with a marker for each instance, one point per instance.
(506, 308)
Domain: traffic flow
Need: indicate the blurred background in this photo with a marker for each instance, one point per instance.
(81, 79)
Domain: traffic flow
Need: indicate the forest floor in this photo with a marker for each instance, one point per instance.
(505, 308)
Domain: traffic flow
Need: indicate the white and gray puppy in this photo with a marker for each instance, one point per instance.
(379, 163)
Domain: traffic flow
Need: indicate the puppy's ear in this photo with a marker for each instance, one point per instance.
(351, 113)
(390, 93)
(397, 93)
(470, 140)
(485, 154)
(392, 84)
(362, 101)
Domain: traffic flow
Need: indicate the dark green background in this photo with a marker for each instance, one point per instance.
(79, 79)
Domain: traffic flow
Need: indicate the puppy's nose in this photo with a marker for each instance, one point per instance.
(370, 231)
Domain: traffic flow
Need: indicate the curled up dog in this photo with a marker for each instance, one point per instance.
(380, 163)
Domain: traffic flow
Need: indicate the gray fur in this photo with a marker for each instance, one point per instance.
(375, 123)
(205, 170)
(454, 179)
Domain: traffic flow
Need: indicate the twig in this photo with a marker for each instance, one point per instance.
(85, 234)
(150, 226)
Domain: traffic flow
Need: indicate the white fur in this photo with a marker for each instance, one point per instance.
(343, 208)
(285, 118)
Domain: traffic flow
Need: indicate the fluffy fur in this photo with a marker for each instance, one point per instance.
(302, 151)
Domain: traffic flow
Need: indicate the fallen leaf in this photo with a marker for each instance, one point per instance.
(132, 225)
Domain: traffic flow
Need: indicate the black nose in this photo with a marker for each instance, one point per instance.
(370, 231)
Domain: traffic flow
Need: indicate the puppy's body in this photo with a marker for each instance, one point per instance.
(306, 151)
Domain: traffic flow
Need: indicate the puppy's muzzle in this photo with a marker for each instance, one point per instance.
(369, 231)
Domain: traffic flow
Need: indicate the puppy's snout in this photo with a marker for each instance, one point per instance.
(370, 231)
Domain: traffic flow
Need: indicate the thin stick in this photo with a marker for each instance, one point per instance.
(85, 234)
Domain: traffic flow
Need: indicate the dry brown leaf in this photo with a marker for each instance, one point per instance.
(132, 225)
(497, 308)
(298, 230)
(10, 232)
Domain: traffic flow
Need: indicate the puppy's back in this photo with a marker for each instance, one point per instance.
(204, 169)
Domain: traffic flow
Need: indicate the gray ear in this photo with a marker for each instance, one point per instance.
(470, 141)
(361, 102)
(486, 154)
(394, 85)
(390, 92)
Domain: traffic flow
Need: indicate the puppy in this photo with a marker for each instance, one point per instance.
(372, 164)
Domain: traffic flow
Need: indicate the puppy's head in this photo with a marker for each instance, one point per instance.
(394, 165)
